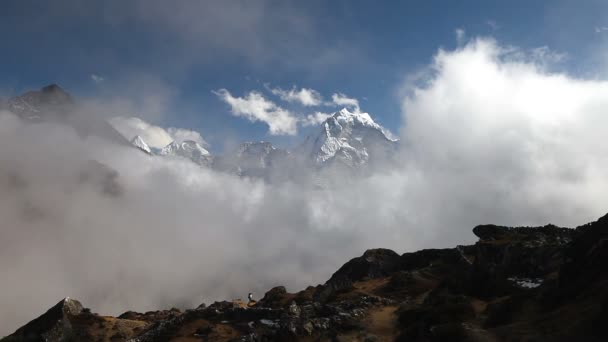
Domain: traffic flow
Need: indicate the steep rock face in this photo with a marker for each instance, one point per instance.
(374, 263)
(53, 325)
(516, 256)
(53, 104)
(588, 254)
(139, 142)
(51, 100)
(348, 138)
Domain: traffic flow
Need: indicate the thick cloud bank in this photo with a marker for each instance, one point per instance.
(490, 136)
(495, 137)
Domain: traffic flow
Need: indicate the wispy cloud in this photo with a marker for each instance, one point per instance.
(303, 96)
(316, 118)
(493, 25)
(600, 29)
(460, 35)
(154, 136)
(340, 99)
(97, 79)
(255, 107)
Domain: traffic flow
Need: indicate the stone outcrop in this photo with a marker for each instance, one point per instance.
(527, 283)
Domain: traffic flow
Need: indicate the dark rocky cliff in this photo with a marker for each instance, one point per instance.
(514, 284)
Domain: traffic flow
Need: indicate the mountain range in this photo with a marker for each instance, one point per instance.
(347, 139)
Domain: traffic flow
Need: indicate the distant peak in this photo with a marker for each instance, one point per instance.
(185, 146)
(257, 143)
(139, 142)
(52, 88)
(190, 142)
(344, 116)
(53, 93)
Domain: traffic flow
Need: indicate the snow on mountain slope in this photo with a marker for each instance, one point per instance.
(188, 149)
(141, 144)
(254, 159)
(351, 138)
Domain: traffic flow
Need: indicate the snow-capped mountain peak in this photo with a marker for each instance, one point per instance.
(188, 149)
(344, 116)
(138, 142)
(349, 137)
(252, 159)
(255, 148)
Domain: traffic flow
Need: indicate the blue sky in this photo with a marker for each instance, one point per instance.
(178, 53)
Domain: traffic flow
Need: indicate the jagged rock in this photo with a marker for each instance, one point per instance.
(53, 325)
(374, 263)
(504, 253)
(490, 232)
(481, 292)
(548, 235)
(293, 310)
(274, 298)
(429, 257)
(587, 255)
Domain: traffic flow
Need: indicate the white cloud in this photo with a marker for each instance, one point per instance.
(315, 119)
(493, 24)
(496, 138)
(340, 99)
(490, 137)
(304, 96)
(460, 35)
(181, 134)
(154, 136)
(255, 107)
(96, 78)
(600, 29)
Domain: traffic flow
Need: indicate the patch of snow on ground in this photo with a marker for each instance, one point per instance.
(528, 283)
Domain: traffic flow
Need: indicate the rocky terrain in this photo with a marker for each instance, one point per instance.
(515, 284)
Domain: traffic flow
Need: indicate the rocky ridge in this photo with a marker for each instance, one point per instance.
(514, 284)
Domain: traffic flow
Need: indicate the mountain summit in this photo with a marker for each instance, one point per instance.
(253, 159)
(51, 100)
(53, 104)
(141, 144)
(351, 138)
(188, 149)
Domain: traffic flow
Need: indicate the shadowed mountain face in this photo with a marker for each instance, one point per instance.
(50, 102)
(514, 284)
(53, 104)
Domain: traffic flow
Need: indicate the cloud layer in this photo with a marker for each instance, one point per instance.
(495, 137)
(490, 136)
(255, 107)
(154, 136)
(304, 96)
